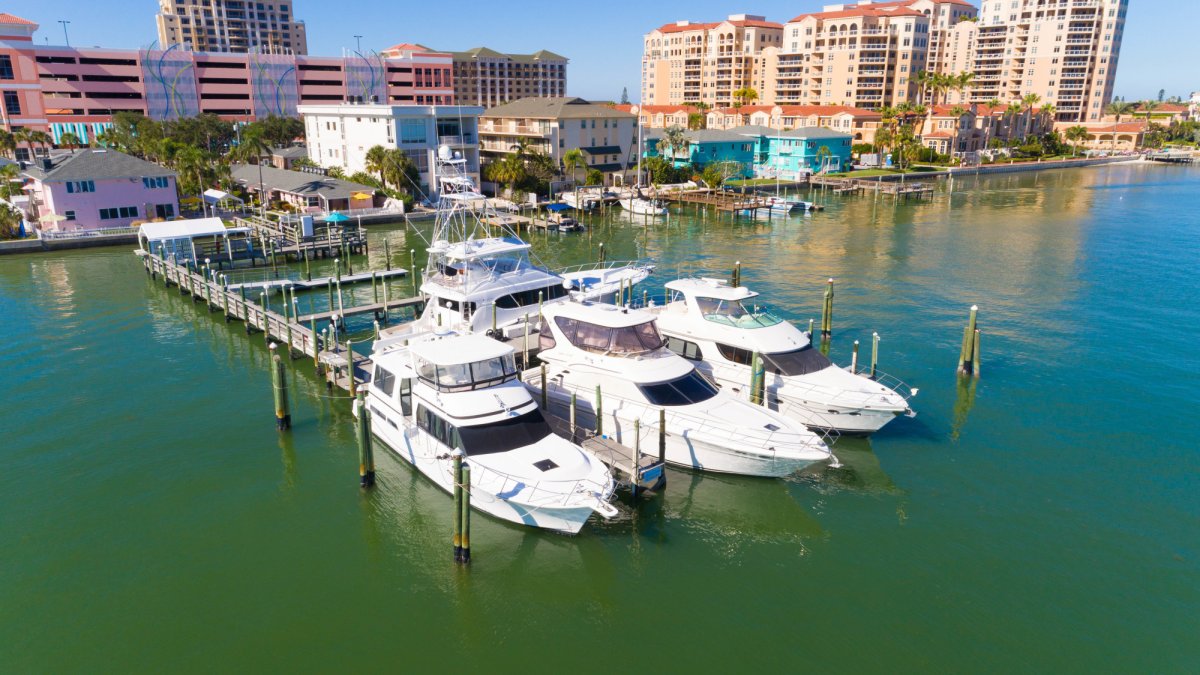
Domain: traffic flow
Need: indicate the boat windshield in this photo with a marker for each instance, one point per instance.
(734, 313)
(467, 376)
(691, 388)
(797, 362)
(510, 434)
(624, 341)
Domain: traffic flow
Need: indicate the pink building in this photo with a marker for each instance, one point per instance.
(66, 89)
(92, 189)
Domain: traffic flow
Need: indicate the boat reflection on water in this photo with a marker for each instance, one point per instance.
(860, 472)
(727, 510)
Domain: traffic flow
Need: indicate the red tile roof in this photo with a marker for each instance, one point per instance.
(877, 9)
(676, 28)
(822, 110)
(5, 17)
(741, 23)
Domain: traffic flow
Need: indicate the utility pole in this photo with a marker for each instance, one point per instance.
(358, 43)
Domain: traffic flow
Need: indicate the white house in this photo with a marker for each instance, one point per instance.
(340, 135)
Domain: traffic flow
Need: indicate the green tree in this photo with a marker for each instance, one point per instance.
(624, 95)
(573, 161)
(674, 140)
(744, 96)
(1077, 135)
(402, 172)
(595, 177)
(69, 140)
(8, 143)
(376, 161)
(1118, 109)
(10, 222)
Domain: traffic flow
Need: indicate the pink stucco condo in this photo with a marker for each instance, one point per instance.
(95, 189)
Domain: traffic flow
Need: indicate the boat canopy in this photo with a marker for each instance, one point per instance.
(631, 340)
(558, 208)
(713, 288)
(186, 229)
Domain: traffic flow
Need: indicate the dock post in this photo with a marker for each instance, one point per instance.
(316, 341)
(412, 266)
(975, 355)
(662, 438)
(967, 356)
(602, 257)
(386, 318)
(457, 456)
(599, 413)
(827, 312)
(545, 405)
(350, 366)
(574, 405)
(387, 255)
(737, 274)
(262, 305)
(874, 353)
(283, 416)
(466, 513)
(245, 310)
(645, 298)
(376, 329)
(810, 329)
(307, 267)
(637, 453)
(758, 380)
(374, 287)
(329, 289)
(366, 455)
(337, 267)
(225, 296)
(524, 341)
(854, 359)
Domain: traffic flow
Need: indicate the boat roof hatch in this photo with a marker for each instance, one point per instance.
(710, 288)
(598, 314)
(460, 349)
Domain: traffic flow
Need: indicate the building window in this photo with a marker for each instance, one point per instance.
(80, 186)
(156, 182)
(6, 69)
(12, 103)
(69, 215)
(119, 212)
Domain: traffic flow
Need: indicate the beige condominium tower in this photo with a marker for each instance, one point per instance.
(686, 62)
(1064, 51)
(231, 26)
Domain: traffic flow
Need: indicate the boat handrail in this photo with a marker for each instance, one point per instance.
(765, 440)
(607, 265)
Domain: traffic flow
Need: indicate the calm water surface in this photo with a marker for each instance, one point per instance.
(1045, 518)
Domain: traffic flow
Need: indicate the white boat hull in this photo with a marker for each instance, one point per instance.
(683, 447)
(416, 449)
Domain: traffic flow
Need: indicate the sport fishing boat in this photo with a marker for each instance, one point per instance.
(581, 200)
(614, 363)
(480, 280)
(643, 207)
(450, 392)
(789, 204)
(719, 328)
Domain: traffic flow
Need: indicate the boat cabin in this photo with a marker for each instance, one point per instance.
(198, 239)
(601, 329)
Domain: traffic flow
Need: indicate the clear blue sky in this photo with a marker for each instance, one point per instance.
(602, 39)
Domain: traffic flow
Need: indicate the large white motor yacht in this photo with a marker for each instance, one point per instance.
(461, 392)
(615, 363)
(720, 327)
(480, 280)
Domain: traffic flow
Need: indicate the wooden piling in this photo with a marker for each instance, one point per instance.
(599, 413)
(854, 358)
(283, 416)
(374, 287)
(968, 357)
(758, 380)
(975, 355)
(574, 405)
(387, 255)
(637, 453)
(874, 353)
(466, 514)
(245, 310)
(457, 456)
(662, 437)
(544, 395)
(350, 366)
(366, 454)
(737, 274)
(827, 312)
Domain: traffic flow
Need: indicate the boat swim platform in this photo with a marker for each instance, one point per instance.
(321, 282)
(651, 471)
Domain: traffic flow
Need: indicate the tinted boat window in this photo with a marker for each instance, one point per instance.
(736, 354)
(798, 362)
(691, 388)
(384, 380)
(510, 434)
(688, 350)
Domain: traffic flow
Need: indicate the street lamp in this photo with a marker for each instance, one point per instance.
(64, 23)
(358, 43)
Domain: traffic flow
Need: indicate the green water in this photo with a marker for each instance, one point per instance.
(1046, 518)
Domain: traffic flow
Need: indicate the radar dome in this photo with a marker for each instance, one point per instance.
(444, 152)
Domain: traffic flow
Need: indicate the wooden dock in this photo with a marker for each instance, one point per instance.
(651, 469)
(312, 284)
(329, 240)
(373, 308)
(1172, 157)
(292, 333)
(729, 202)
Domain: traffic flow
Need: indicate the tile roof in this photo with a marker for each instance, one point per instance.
(874, 9)
(484, 52)
(297, 182)
(5, 17)
(96, 164)
(558, 107)
(825, 110)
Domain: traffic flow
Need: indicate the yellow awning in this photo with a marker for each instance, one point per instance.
(360, 195)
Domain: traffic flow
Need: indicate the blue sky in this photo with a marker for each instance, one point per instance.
(602, 39)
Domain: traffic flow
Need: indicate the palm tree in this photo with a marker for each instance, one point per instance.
(958, 111)
(43, 139)
(744, 96)
(376, 159)
(400, 170)
(702, 109)
(254, 147)
(1117, 109)
(8, 145)
(1146, 107)
(23, 136)
(573, 160)
(963, 81)
(1029, 101)
(1076, 134)
(1011, 112)
(674, 139)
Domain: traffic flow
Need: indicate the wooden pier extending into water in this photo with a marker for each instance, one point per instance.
(729, 202)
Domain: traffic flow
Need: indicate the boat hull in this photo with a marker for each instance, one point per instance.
(683, 447)
(406, 444)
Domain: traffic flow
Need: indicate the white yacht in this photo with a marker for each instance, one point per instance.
(617, 355)
(789, 204)
(461, 392)
(478, 280)
(581, 200)
(642, 206)
(719, 328)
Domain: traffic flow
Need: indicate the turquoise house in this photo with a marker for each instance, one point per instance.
(706, 147)
(789, 154)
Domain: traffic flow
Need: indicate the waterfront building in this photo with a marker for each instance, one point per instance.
(1111, 136)
(68, 89)
(98, 189)
(489, 78)
(860, 123)
(661, 116)
(231, 26)
(1065, 52)
(760, 151)
(705, 147)
(554, 126)
(341, 135)
(286, 158)
(306, 192)
(686, 62)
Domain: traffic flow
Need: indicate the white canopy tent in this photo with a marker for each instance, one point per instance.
(219, 199)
